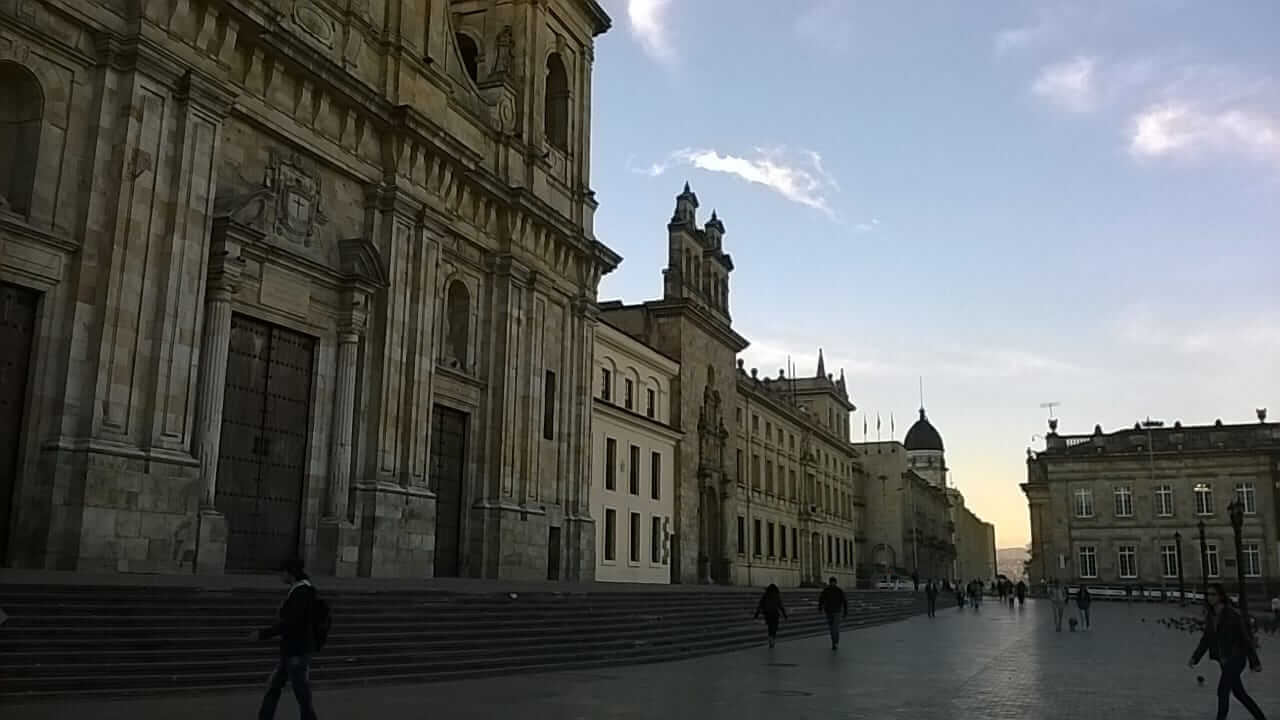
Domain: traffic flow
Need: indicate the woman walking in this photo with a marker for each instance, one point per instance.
(1058, 599)
(1083, 601)
(1228, 641)
(771, 606)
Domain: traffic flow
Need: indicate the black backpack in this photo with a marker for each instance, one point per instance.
(321, 621)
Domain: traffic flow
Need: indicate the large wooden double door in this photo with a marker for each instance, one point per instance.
(448, 467)
(17, 332)
(262, 457)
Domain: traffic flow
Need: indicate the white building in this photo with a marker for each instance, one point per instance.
(633, 459)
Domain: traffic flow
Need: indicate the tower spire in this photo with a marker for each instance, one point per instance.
(822, 366)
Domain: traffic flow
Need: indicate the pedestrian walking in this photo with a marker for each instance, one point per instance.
(959, 597)
(1229, 642)
(1058, 599)
(1275, 608)
(833, 603)
(1021, 591)
(1083, 601)
(915, 580)
(931, 597)
(302, 628)
(771, 607)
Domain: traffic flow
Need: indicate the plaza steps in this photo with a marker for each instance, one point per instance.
(66, 640)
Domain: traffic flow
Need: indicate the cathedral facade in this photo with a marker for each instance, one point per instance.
(309, 277)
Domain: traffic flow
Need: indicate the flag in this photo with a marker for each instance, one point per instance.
(877, 423)
(864, 428)
(891, 430)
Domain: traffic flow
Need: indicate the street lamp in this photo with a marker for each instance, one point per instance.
(1204, 563)
(1182, 593)
(1236, 511)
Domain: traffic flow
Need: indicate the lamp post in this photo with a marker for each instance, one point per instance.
(1236, 511)
(1204, 563)
(1182, 593)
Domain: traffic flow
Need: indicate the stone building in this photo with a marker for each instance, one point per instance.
(909, 525)
(1109, 507)
(298, 276)
(975, 542)
(633, 453)
(805, 476)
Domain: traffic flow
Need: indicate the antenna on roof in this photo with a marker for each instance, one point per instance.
(1050, 406)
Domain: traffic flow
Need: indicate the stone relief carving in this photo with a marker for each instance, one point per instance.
(315, 23)
(504, 55)
(286, 207)
(712, 434)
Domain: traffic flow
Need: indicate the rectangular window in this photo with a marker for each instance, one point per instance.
(742, 535)
(1164, 501)
(755, 541)
(795, 543)
(610, 464)
(792, 442)
(738, 417)
(628, 394)
(755, 424)
(549, 406)
(635, 537)
(610, 534)
(1128, 556)
(742, 468)
(1247, 495)
(655, 540)
(606, 385)
(793, 485)
(782, 541)
(1252, 559)
(650, 403)
(831, 550)
(755, 472)
(772, 548)
(768, 431)
(1204, 499)
(1124, 501)
(768, 476)
(655, 476)
(1084, 503)
(1169, 560)
(1088, 561)
(634, 470)
(1211, 558)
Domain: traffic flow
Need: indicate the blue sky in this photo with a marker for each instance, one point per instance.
(1021, 202)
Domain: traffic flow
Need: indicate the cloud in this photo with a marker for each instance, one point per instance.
(1232, 337)
(1070, 85)
(825, 25)
(1020, 38)
(1176, 127)
(806, 183)
(648, 25)
(867, 226)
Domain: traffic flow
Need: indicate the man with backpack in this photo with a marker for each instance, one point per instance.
(302, 629)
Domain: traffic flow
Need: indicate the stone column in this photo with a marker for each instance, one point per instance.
(350, 329)
(225, 266)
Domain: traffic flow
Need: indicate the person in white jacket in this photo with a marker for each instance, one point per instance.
(1058, 599)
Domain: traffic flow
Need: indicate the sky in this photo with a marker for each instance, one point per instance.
(1019, 202)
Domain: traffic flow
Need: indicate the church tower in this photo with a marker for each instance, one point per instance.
(924, 451)
(698, 268)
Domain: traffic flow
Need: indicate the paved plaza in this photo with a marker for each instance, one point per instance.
(996, 663)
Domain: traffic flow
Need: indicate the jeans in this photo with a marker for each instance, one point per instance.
(1057, 616)
(1084, 618)
(1230, 683)
(771, 622)
(933, 604)
(833, 625)
(296, 671)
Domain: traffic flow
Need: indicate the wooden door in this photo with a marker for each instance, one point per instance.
(17, 333)
(448, 468)
(262, 457)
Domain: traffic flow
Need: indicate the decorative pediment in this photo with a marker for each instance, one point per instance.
(360, 260)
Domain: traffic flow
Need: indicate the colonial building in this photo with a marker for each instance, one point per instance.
(633, 451)
(975, 542)
(909, 524)
(773, 499)
(1125, 507)
(298, 276)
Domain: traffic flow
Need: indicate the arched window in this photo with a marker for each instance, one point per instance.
(555, 116)
(458, 309)
(470, 55)
(21, 105)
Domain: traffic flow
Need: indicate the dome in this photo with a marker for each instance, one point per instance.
(923, 436)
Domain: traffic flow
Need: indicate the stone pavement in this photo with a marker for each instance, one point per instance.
(994, 664)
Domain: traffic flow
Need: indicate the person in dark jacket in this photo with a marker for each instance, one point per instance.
(833, 603)
(771, 607)
(1022, 592)
(931, 597)
(1083, 601)
(297, 642)
(1228, 640)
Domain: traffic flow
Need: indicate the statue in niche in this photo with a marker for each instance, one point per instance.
(711, 431)
(504, 55)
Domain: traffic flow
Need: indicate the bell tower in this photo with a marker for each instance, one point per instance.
(698, 268)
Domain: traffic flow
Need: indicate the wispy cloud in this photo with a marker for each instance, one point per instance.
(1070, 85)
(1140, 324)
(1178, 127)
(648, 25)
(805, 182)
(826, 25)
(868, 226)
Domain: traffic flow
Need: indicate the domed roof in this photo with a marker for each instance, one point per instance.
(923, 435)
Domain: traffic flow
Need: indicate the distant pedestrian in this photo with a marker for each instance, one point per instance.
(1228, 641)
(1083, 601)
(931, 597)
(301, 629)
(915, 579)
(771, 607)
(959, 597)
(1128, 593)
(833, 603)
(1142, 594)
(1021, 590)
(1275, 608)
(1058, 599)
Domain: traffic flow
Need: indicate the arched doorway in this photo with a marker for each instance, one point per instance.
(710, 566)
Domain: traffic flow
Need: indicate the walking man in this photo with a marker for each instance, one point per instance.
(1022, 593)
(931, 597)
(1083, 601)
(297, 642)
(1058, 599)
(1227, 640)
(833, 603)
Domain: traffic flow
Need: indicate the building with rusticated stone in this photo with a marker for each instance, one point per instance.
(1125, 508)
(909, 519)
(298, 276)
